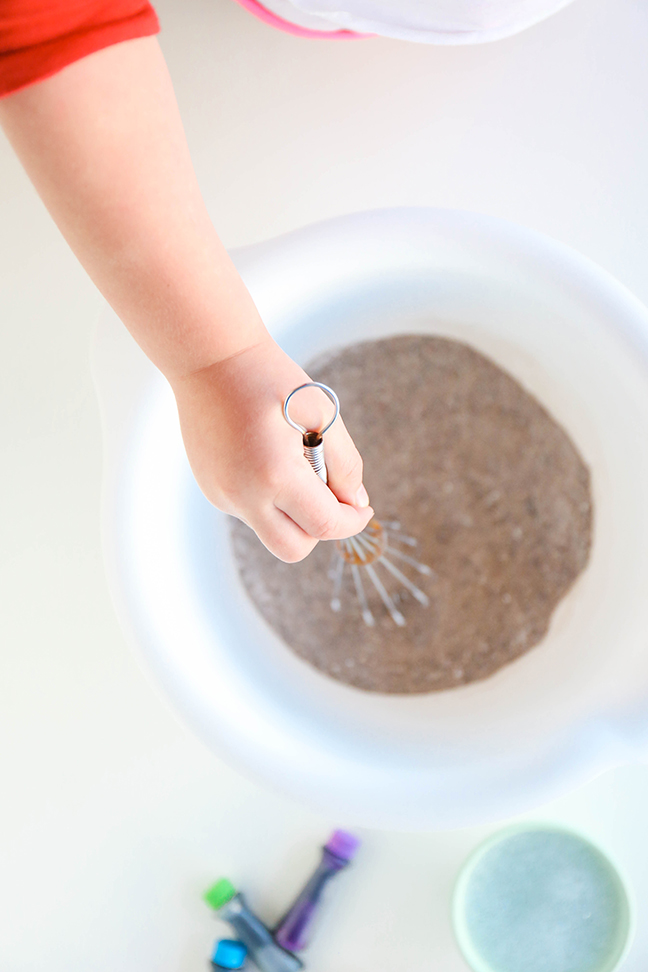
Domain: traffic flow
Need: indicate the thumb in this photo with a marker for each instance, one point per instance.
(344, 467)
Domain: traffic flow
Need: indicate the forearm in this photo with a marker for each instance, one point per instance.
(104, 145)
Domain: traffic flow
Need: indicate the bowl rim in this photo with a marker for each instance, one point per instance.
(401, 235)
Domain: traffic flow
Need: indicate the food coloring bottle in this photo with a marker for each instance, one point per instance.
(266, 954)
(295, 928)
(229, 954)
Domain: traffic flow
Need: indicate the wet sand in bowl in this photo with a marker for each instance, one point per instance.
(490, 485)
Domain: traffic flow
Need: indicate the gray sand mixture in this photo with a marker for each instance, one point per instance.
(489, 484)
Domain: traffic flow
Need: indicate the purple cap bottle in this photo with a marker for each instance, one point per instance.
(294, 930)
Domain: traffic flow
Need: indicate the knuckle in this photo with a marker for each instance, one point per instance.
(230, 496)
(324, 527)
(279, 483)
(288, 545)
(352, 467)
(275, 480)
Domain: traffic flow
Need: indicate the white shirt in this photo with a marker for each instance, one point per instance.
(424, 21)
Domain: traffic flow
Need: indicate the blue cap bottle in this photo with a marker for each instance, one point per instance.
(232, 907)
(229, 954)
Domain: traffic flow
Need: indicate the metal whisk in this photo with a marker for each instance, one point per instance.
(368, 550)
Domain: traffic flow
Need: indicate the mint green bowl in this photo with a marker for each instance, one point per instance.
(540, 898)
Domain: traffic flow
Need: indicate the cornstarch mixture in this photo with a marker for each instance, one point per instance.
(491, 486)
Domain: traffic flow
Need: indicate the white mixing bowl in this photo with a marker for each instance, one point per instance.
(574, 705)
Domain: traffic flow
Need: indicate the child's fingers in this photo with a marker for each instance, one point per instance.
(344, 466)
(314, 508)
(283, 538)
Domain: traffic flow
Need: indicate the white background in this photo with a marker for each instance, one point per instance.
(113, 818)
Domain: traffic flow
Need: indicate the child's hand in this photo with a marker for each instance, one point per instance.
(250, 463)
(103, 143)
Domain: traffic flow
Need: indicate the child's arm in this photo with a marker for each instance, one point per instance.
(103, 143)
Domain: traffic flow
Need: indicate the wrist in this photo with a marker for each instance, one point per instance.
(238, 365)
(214, 328)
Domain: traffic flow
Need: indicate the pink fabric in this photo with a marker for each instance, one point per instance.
(269, 18)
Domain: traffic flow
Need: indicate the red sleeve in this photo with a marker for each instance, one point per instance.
(39, 37)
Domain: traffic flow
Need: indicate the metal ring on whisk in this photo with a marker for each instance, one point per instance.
(327, 391)
(313, 439)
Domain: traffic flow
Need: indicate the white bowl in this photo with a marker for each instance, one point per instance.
(571, 707)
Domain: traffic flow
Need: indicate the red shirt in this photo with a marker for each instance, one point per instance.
(39, 37)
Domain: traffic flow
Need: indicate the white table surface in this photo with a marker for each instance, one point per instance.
(113, 818)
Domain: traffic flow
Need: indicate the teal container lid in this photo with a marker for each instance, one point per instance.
(540, 898)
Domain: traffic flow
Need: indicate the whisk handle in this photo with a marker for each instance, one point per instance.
(314, 452)
(314, 441)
